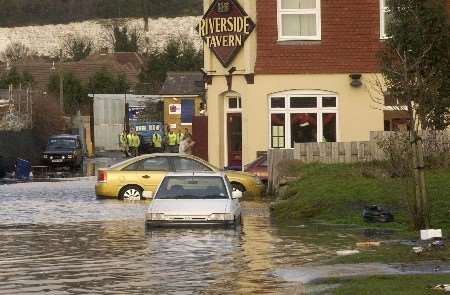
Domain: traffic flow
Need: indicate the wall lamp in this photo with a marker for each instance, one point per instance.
(356, 80)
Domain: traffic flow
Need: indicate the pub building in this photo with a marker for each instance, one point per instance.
(281, 72)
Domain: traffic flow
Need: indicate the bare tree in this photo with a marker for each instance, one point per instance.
(415, 67)
(77, 47)
(15, 52)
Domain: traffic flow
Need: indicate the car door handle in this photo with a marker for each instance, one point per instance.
(146, 176)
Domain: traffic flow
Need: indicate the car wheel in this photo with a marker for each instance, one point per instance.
(131, 193)
(238, 187)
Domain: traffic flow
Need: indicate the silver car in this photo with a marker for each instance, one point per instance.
(194, 199)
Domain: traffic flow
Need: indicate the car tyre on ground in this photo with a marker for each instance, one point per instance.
(131, 192)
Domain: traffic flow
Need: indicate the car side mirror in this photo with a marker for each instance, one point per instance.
(236, 194)
(147, 194)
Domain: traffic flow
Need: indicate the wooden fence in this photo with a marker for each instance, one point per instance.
(345, 152)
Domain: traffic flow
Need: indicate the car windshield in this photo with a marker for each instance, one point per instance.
(61, 144)
(192, 187)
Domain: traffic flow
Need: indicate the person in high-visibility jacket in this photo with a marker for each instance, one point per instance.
(134, 142)
(171, 139)
(157, 142)
(180, 137)
(123, 142)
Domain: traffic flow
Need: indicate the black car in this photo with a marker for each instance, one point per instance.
(63, 151)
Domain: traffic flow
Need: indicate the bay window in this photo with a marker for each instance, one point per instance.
(299, 20)
(296, 117)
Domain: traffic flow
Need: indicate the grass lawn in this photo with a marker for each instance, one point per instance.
(408, 285)
(338, 193)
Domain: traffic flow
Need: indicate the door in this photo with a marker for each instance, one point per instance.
(234, 136)
(149, 173)
(200, 137)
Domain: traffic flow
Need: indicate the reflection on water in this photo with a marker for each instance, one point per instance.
(59, 239)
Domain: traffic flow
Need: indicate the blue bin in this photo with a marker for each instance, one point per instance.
(23, 169)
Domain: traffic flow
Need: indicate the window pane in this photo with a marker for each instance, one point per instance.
(387, 20)
(277, 102)
(187, 110)
(155, 164)
(133, 167)
(183, 164)
(329, 127)
(233, 103)
(303, 102)
(192, 187)
(298, 4)
(303, 128)
(277, 123)
(299, 25)
(329, 102)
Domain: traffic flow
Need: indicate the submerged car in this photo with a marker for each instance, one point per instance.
(195, 199)
(130, 178)
(63, 151)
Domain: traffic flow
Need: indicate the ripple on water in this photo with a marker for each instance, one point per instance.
(58, 238)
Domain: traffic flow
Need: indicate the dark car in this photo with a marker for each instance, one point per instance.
(259, 167)
(63, 151)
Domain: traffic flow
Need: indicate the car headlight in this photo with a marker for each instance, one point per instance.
(45, 156)
(221, 216)
(155, 216)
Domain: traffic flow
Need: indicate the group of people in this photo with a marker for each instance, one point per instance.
(171, 142)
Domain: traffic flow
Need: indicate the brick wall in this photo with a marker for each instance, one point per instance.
(350, 40)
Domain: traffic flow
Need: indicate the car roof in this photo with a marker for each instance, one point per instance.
(196, 174)
(70, 136)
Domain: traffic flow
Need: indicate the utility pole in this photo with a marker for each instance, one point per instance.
(61, 82)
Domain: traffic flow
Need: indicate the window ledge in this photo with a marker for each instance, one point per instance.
(299, 42)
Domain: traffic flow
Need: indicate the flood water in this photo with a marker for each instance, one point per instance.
(58, 238)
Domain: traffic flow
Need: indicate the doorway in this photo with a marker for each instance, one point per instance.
(234, 140)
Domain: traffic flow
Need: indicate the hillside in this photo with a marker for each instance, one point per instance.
(47, 39)
(15, 13)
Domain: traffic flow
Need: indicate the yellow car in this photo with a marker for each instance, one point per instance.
(130, 178)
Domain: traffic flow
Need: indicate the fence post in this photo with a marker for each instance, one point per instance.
(275, 157)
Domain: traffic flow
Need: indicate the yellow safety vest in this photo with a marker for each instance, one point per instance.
(156, 140)
(172, 139)
(123, 138)
(133, 140)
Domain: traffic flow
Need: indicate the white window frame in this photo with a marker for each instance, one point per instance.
(383, 10)
(287, 111)
(316, 11)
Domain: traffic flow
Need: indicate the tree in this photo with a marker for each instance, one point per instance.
(415, 64)
(105, 81)
(124, 40)
(15, 78)
(76, 48)
(177, 55)
(47, 117)
(75, 94)
(14, 53)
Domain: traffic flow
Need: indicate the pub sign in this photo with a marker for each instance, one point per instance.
(224, 29)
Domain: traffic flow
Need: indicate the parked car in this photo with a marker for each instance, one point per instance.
(259, 167)
(63, 151)
(195, 199)
(2, 168)
(130, 178)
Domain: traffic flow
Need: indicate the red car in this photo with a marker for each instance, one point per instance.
(259, 167)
